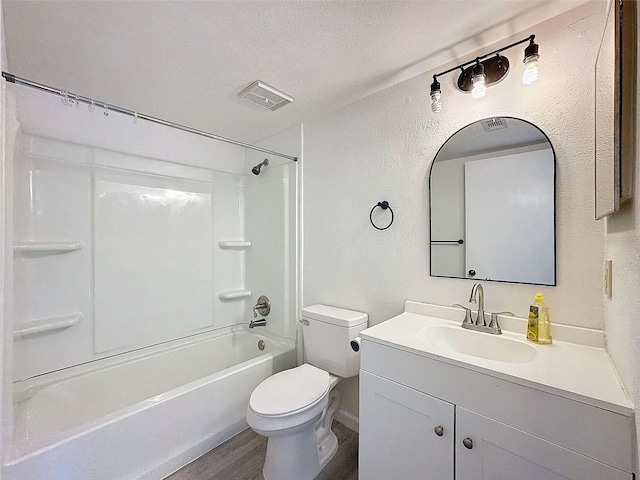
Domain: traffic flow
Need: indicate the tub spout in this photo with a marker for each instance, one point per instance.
(258, 323)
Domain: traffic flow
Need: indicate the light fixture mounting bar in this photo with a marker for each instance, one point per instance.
(495, 70)
(462, 66)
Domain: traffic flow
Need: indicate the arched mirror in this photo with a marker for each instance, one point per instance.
(492, 204)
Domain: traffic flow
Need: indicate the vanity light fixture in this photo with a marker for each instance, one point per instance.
(486, 70)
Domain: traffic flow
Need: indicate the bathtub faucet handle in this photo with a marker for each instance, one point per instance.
(263, 307)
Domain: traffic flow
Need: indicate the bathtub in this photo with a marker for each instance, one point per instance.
(140, 415)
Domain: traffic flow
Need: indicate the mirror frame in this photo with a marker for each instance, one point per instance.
(623, 15)
(555, 213)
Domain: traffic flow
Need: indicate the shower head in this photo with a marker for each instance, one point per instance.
(256, 170)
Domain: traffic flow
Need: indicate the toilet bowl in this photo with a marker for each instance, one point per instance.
(294, 408)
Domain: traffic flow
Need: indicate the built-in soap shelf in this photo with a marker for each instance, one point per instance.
(234, 244)
(49, 324)
(46, 248)
(240, 292)
(234, 294)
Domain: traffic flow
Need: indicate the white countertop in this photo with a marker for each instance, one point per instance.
(580, 372)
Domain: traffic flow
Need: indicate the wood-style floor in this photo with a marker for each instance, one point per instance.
(242, 457)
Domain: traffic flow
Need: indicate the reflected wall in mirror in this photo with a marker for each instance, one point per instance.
(492, 204)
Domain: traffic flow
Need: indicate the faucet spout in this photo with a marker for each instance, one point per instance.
(480, 324)
(258, 323)
(477, 296)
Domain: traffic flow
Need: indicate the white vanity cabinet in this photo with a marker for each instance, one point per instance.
(500, 452)
(399, 439)
(428, 417)
(397, 432)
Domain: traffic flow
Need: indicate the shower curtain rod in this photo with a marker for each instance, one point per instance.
(109, 107)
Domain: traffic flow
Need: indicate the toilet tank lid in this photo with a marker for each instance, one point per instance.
(334, 315)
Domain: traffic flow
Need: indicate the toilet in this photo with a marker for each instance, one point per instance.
(294, 408)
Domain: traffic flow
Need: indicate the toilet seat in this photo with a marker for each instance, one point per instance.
(290, 392)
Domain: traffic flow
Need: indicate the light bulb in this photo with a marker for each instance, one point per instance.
(530, 73)
(479, 87)
(436, 104)
(530, 61)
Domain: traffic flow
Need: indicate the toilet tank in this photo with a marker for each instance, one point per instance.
(327, 333)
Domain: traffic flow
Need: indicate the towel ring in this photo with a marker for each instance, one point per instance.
(383, 205)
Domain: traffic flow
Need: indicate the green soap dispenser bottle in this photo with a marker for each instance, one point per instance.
(539, 324)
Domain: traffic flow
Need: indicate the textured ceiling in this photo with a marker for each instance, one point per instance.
(185, 61)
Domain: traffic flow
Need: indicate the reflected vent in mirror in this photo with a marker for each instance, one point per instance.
(492, 124)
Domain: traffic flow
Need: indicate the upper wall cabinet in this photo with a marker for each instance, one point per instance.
(615, 86)
(492, 204)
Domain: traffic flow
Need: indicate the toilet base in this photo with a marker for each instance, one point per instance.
(303, 455)
(292, 457)
(327, 449)
(298, 456)
(327, 440)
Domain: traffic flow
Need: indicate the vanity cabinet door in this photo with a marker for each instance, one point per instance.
(404, 434)
(490, 450)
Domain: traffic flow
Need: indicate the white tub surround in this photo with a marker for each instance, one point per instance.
(141, 415)
(138, 252)
(93, 276)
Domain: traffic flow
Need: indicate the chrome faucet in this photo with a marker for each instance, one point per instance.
(480, 323)
(263, 307)
(478, 292)
(258, 323)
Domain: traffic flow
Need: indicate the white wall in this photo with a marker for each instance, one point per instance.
(621, 311)
(380, 148)
(45, 115)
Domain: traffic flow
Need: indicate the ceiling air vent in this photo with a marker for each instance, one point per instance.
(492, 124)
(265, 96)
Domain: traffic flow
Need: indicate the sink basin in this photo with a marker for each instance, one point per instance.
(477, 344)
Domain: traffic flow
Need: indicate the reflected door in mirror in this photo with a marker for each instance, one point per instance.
(509, 217)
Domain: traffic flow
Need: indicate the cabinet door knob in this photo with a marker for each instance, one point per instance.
(468, 443)
(439, 430)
